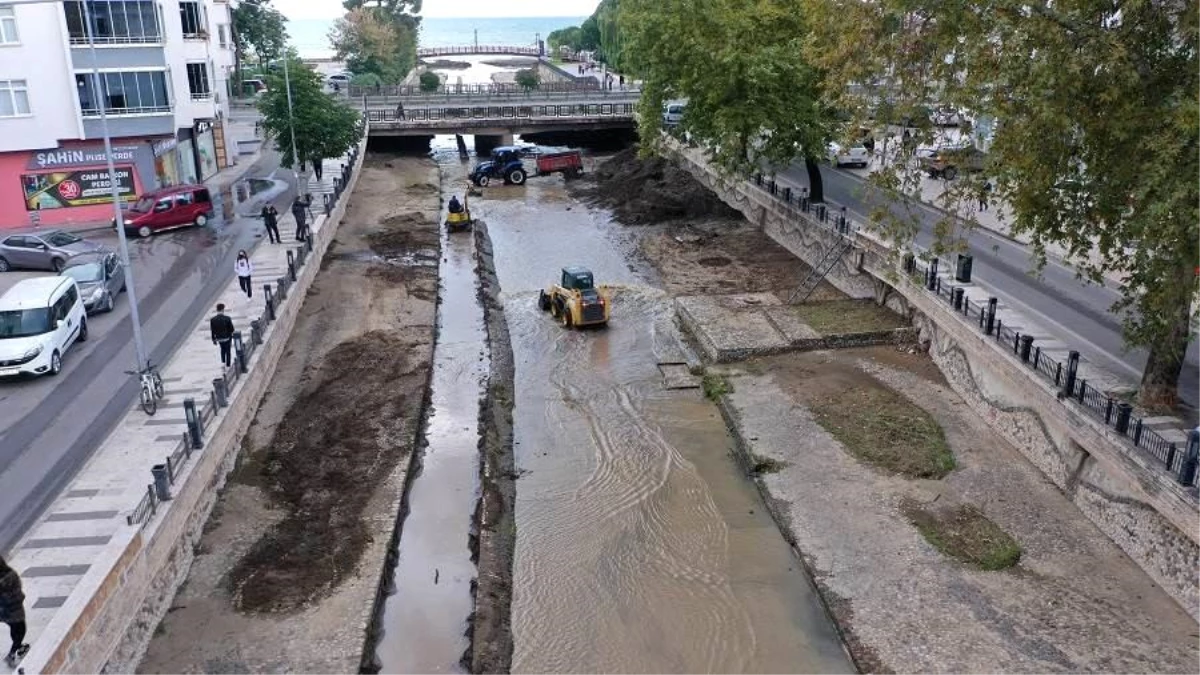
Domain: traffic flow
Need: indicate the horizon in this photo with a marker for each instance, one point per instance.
(325, 10)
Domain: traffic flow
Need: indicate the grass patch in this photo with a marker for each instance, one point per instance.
(848, 316)
(763, 465)
(965, 534)
(886, 430)
(715, 386)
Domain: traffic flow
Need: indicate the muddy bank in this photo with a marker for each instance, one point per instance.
(446, 64)
(288, 569)
(643, 191)
(492, 643)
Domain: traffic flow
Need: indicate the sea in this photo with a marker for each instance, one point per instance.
(311, 36)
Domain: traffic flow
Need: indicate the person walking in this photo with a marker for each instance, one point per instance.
(318, 168)
(244, 268)
(622, 80)
(12, 612)
(270, 216)
(221, 327)
(400, 111)
(984, 193)
(300, 213)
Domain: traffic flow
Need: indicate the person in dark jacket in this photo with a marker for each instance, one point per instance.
(300, 212)
(455, 205)
(222, 333)
(270, 216)
(12, 612)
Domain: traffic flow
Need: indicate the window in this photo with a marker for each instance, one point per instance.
(183, 199)
(222, 40)
(8, 26)
(192, 16)
(197, 74)
(115, 21)
(15, 242)
(14, 98)
(124, 93)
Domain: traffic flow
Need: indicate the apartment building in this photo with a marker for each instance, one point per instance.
(159, 68)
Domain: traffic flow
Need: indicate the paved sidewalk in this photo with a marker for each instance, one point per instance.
(58, 550)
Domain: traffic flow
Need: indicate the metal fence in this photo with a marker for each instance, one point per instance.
(201, 413)
(588, 85)
(1179, 460)
(419, 116)
(478, 49)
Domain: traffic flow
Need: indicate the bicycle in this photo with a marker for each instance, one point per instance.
(152, 387)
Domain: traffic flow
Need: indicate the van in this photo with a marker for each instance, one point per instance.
(40, 319)
(673, 113)
(169, 208)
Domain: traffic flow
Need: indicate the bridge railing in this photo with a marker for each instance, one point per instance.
(478, 49)
(423, 117)
(508, 90)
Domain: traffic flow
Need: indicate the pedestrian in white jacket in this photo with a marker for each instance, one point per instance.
(244, 269)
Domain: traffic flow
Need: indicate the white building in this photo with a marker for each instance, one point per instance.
(163, 67)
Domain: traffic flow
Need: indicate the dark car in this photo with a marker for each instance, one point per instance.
(49, 250)
(101, 278)
(947, 161)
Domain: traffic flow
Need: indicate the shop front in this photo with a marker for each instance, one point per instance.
(166, 162)
(185, 154)
(206, 149)
(70, 184)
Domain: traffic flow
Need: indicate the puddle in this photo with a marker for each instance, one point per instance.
(418, 258)
(424, 621)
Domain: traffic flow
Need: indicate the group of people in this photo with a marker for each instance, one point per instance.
(301, 209)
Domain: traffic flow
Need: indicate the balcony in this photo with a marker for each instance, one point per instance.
(113, 23)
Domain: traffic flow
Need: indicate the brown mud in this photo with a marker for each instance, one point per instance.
(642, 191)
(491, 629)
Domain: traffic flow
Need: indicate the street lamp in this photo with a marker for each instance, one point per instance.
(139, 346)
(287, 83)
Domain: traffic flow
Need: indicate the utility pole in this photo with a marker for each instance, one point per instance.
(287, 83)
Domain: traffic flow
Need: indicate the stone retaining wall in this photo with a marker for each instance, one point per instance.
(1149, 515)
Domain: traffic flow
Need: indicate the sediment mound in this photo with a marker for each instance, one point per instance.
(644, 191)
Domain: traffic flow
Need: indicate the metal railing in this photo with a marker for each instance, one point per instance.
(422, 116)
(590, 84)
(1179, 461)
(478, 49)
(200, 413)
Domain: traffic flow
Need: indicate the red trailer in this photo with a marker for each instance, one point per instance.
(569, 164)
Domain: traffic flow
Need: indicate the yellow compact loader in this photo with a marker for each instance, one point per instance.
(576, 301)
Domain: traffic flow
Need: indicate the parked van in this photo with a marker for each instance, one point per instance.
(673, 113)
(40, 319)
(169, 208)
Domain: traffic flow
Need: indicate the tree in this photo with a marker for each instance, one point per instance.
(370, 42)
(430, 81)
(257, 27)
(1095, 143)
(324, 127)
(528, 78)
(752, 99)
(569, 37)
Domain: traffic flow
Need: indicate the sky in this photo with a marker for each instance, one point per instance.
(332, 9)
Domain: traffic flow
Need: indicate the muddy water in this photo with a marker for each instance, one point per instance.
(641, 546)
(425, 620)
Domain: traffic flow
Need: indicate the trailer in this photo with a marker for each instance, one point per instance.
(569, 164)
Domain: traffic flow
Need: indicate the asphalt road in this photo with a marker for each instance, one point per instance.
(1076, 312)
(50, 426)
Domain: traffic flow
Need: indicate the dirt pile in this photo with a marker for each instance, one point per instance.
(643, 191)
(339, 439)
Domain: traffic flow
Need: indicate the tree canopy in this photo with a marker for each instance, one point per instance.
(378, 36)
(324, 127)
(752, 97)
(259, 28)
(598, 33)
(1094, 143)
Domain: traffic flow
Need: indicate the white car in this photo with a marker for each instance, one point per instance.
(340, 79)
(946, 117)
(673, 113)
(40, 319)
(855, 155)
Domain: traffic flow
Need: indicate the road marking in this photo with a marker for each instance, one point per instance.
(55, 571)
(81, 515)
(163, 423)
(52, 602)
(66, 542)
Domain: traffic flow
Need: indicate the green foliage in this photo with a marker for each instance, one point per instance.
(752, 97)
(599, 33)
(324, 127)
(379, 39)
(528, 78)
(366, 80)
(1095, 143)
(430, 81)
(715, 386)
(258, 28)
(565, 37)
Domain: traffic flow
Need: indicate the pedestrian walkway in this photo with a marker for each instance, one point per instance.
(56, 553)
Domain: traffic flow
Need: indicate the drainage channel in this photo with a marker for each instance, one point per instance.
(424, 621)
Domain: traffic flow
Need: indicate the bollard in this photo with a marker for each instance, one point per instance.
(771, 186)
(255, 332)
(908, 263)
(758, 179)
(239, 349)
(842, 221)
(1187, 468)
(1108, 410)
(787, 195)
(308, 245)
(222, 394)
(328, 206)
(162, 482)
(1037, 357)
(270, 302)
(804, 199)
(932, 275)
(1072, 371)
(1082, 389)
(1171, 450)
(991, 316)
(195, 425)
(1124, 410)
(956, 298)
(963, 273)
(291, 258)
(1026, 346)
(281, 289)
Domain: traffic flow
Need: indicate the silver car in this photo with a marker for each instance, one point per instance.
(100, 277)
(49, 250)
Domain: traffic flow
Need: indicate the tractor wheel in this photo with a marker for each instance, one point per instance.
(481, 181)
(566, 317)
(517, 176)
(543, 301)
(555, 308)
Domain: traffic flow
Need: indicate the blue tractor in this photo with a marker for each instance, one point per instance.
(504, 164)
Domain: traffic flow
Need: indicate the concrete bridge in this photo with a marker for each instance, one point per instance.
(478, 49)
(583, 87)
(497, 124)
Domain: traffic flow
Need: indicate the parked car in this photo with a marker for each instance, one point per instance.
(948, 160)
(673, 113)
(945, 116)
(100, 277)
(342, 78)
(43, 250)
(167, 209)
(855, 155)
(254, 87)
(40, 319)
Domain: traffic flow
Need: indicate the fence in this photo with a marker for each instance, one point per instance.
(1180, 462)
(502, 112)
(478, 49)
(201, 413)
(589, 85)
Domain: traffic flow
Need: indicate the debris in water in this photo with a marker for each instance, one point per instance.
(436, 573)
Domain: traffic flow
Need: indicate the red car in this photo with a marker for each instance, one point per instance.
(169, 208)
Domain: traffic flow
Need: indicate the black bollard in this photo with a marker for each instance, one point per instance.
(220, 392)
(270, 302)
(255, 332)
(195, 425)
(1026, 347)
(291, 258)
(991, 316)
(1187, 468)
(239, 349)
(931, 279)
(963, 273)
(1072, 372)
(956, 298)
(162, 482)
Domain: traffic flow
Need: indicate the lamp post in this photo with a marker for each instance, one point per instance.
(287, 83)
(139, 345)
